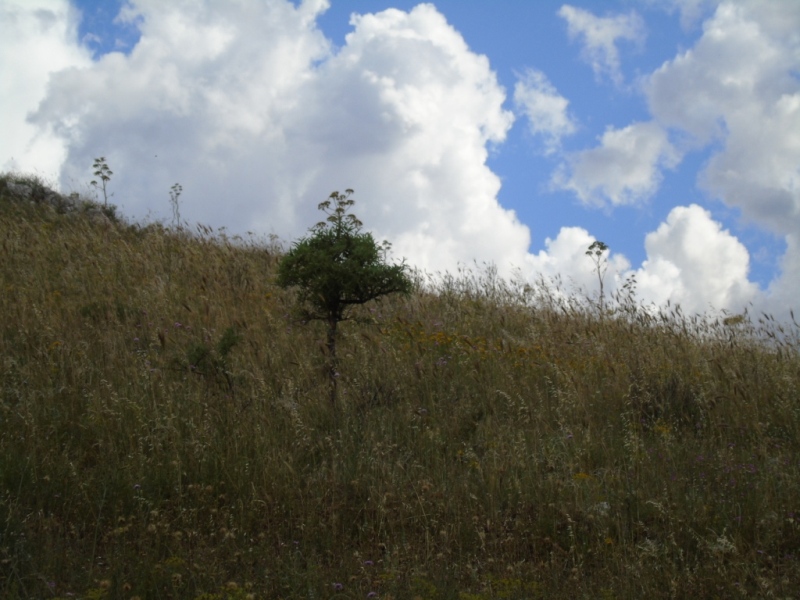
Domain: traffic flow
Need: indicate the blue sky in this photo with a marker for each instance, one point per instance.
(508, 132)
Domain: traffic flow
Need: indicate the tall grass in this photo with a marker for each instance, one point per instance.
(165, 432)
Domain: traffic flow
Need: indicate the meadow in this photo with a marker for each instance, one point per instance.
(166, 431)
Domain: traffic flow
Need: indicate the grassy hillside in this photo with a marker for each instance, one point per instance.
(165, 432)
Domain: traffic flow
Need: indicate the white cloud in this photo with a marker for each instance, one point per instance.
(247, 106)
(39, 38)
(564, 258)
(440, 106)
(545, 109)
(736, 67)
(693, 262)
(738, 89)
(600, 35)
(624, 169)
(784, 291)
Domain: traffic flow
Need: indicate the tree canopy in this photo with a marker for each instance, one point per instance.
(338, 266)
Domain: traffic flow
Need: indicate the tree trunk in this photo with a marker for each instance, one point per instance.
(333, 365)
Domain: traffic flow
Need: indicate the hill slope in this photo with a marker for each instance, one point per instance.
(165, 432)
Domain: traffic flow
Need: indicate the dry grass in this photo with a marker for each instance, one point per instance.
(165, 433)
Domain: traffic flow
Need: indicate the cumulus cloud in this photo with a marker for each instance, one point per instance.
(599, 36)
(253, 111)
(545, 109)
(784, 291)
(737, 92)
(44, 33)
(564, 258)
(693, 262)
(435, 107)
(624, 169)
(249, 108)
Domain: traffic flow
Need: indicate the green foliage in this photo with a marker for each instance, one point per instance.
(229, 339)
(338, 266)
(213, 364)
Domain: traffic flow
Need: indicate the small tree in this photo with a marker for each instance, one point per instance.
(595, 252)
(336, 268)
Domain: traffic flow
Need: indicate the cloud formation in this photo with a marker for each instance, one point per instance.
(251, 110)
(564, 258)
(738, 86)
(545, 109)
(624, 169)
(783, 292)
(737, 89)
(734, 94)
(599, 37)
(259, 117)
(433, 107)
(43, 32)
(693, 262)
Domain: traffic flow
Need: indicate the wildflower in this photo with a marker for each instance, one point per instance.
(372, 595)
(368, 563)
(338, 587)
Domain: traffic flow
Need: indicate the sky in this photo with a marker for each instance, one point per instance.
(508, 133)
